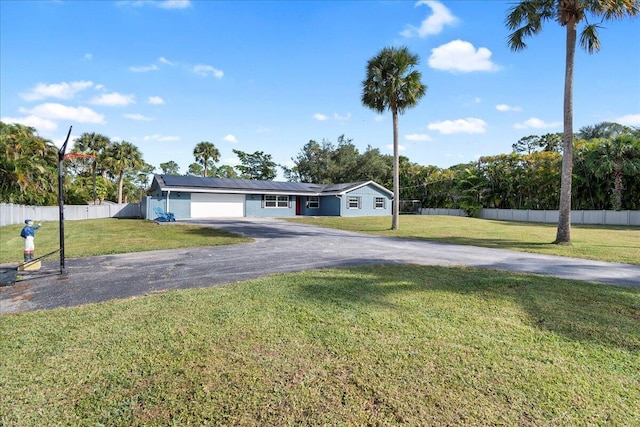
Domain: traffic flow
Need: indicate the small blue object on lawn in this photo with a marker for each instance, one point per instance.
(162, 216)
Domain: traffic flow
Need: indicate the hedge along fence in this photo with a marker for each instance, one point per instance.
(625, 218)
(16, 214)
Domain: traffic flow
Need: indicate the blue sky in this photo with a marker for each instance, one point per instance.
(272, 75)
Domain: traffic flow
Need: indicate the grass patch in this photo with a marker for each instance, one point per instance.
(376, 345)
(604, 243)
(112, 236)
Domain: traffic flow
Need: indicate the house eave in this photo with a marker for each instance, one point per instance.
(236, 191)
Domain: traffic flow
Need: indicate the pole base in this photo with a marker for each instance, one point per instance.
(30, 266)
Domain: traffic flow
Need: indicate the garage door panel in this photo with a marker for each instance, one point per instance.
(217, 205)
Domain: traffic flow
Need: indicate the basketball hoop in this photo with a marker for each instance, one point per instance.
(78, 156)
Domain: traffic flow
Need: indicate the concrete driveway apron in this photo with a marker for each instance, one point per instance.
(278, 246)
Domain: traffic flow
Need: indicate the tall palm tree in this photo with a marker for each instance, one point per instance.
(393, 84)
(124, 157)
(525, 19)
(204, 153)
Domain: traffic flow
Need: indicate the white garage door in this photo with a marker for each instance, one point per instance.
(217, 205)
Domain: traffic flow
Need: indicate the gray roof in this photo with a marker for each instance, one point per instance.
(193, 183)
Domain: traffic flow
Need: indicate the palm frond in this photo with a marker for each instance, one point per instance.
(610, 10)
(589, 40)
(525, 19)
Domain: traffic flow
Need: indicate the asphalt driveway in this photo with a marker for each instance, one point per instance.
(279, 246)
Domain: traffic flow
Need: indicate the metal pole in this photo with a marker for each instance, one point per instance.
(93, 166)
(61, 198)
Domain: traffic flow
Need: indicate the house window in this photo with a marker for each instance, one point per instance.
(314, 202)
(276, 201)
(379, 203)
(353, 202)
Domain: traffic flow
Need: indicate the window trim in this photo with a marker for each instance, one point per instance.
(383, 204)
(275, 201)
(313, 202)
(357, 200)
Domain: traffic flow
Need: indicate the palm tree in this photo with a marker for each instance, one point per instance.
(393, 84)
(618, 157)
(525, 19)
(124, 157)
(205, 152)
(27, 166)
(94, 144)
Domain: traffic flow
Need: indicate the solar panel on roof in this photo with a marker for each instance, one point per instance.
(238, 184)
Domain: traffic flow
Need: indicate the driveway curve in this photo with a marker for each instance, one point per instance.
(278, 246)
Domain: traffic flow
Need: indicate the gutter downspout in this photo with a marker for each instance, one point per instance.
(168, 193)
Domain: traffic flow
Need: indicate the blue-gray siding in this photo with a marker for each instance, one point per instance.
(254, 208)
(179, 204)
(367, 197)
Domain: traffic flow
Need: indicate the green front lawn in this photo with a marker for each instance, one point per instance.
(605, 243)
(112, 236)
(380, 345)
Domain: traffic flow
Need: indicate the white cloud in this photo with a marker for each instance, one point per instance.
(36, 122)
(231, 161)
(230, 138)
(88, 56)
(160, 138)
(505, 107)
(161, 4)
(139, 117)
(155, 100)
(62, 90)
(143, 68)
(55, 111)
(400, 147)
(338, 117)
(114, 99)
(434, 23)
(461, 56)
(320, 117)
(378, 118)
(536, 123)
(629, 120)
(207, 70)
(59, 142)
(468, 125)
(164, 60)
(418, 137)
(174, 4)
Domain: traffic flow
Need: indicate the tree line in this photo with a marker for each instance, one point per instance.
(606, 175)
(606, 171)
(98, 169)
(107, 171)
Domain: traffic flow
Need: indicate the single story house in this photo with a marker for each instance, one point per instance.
(200, 197)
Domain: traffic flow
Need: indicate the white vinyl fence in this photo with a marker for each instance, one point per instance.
(16, 214)
(627, 218)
